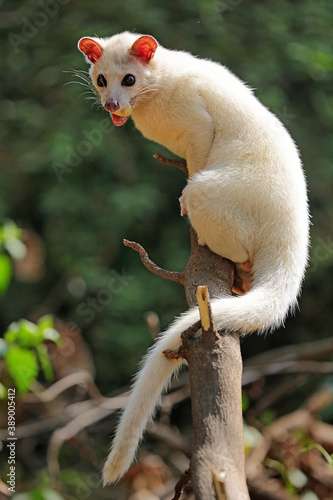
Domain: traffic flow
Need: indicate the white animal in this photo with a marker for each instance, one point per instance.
(245, 197)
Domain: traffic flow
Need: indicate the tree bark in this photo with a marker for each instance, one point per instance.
(215, 366)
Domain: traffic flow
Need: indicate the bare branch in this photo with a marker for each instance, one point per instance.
(149, 264)
(179, 488)
(82, 377)
(181, 164)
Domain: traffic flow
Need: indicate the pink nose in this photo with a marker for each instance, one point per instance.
(111, 105)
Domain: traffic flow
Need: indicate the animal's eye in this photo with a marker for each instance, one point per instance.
(101, 81)
(128, 81)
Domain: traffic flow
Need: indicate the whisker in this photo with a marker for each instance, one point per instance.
(88, 92)
(78, 83)
(84, 80)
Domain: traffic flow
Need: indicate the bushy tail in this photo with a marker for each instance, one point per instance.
(146, 392)
(275, 288)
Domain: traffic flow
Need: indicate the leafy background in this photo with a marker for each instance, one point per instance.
(78, 186)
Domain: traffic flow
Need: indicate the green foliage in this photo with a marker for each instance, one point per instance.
(307, 444)
(22, 366)
(326, 455)
(267, 416)
(25, 353)
(10, 242)
(293, 479)
(5, 272)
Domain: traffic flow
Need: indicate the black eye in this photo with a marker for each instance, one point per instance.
(101, 81)
(128, 81)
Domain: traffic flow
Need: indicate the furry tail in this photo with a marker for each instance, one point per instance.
(146, 392)
(277, 281)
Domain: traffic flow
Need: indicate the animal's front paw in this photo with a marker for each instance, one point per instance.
(182, 201)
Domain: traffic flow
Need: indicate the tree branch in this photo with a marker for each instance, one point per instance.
(184, 479)
(149, 264)
(215, 366)
(172, 162)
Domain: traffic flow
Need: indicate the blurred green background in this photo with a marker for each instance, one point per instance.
(78, 185)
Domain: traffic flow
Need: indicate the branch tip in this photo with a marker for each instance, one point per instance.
(184, 479)
(154, 268)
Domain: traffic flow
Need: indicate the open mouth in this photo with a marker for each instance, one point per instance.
(119, 120)
(122, 115)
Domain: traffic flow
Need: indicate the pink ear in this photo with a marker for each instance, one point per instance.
(90, 48)
(144, 48)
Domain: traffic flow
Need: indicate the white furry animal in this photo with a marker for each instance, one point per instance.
(246, 194)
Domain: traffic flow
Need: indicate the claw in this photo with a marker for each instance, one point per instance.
(182, 201)
(242, 278)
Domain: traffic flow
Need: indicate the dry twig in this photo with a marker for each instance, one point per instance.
(180, 164)
(183, 481)
(149, 264)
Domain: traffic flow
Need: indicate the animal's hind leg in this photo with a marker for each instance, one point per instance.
(217, 213)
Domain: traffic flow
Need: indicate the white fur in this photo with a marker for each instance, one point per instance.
(246, 198)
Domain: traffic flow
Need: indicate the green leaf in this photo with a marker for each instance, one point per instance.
(11, 333)
(45, 322)
(29, 334)
(10, 239)
(53, 335)
(47, 331)
(25, 333)
(10, 231)
(45, 362)
(16, 249)
(6, 271)
(23, 367)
